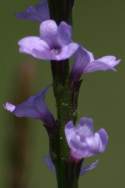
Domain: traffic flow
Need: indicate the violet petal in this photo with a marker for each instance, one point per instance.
(47, 160)
(49, 32)
(81, 58)
(88, 168)
(31, 44)
(65, 33)
(104, 138)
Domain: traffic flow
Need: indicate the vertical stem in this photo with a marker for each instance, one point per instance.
(61, 10)
(68, 177)
(67, 172)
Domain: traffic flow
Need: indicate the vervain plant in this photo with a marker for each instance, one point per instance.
(70, 142)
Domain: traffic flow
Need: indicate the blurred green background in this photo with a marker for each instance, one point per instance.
(100, 27)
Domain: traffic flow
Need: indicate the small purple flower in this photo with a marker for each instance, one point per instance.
(82, 140)
(54, 43)
(39, 12)
(33, 107)
(85, 63)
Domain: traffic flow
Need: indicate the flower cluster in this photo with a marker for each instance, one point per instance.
(55, 43)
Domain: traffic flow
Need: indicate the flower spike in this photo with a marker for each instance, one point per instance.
(33, 107)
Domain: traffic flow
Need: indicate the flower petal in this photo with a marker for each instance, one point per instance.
(82, 58)
(102, 64)
(78, 152)
(31, 44)
(39, 12)
(109, 60)
(49, 163)
(64, 33)
(104, 139)
(88, 168)
(69, 131)
(86, 121)
(49, 31)
(93, 143)
(9, 107)
(65, 53)
(97, 66)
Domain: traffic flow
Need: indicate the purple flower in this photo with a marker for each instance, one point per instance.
(39, 12)
(82, 141)
(33, 107)
(85, 63)
(54, 43)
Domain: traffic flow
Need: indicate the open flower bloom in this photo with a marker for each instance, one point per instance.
(82, 141)
(86, 63)
(39, 12)
(33, 107)
(54, 42)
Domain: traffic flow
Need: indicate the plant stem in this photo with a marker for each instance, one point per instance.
(68, 176)
(67, 171)
(61, 10)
